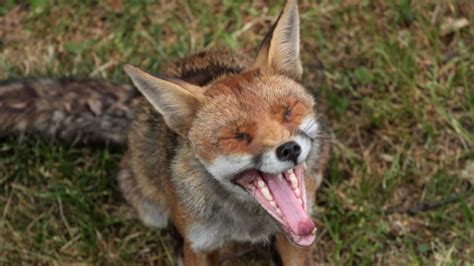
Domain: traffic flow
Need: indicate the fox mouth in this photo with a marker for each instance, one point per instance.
(283, 196)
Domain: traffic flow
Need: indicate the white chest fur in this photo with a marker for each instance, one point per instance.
(215, 234)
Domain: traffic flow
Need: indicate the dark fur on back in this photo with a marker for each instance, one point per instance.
(204, 67)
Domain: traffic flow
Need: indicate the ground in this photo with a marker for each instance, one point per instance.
(396, 79)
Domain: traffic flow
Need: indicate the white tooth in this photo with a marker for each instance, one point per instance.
(314, 231)
(300, 201)
(294, 184)
(278, 211)
(297, 192)
(273, 204)
(261, 183)
(289, 172)
(294, 181)
(280, 177)
(305, 166)
(266, 193)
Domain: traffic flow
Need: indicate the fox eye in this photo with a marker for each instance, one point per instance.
(287, 113)
(289, 110)
(242, 137)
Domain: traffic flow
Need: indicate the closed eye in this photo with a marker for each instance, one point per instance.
(243, 137)
(288, 112)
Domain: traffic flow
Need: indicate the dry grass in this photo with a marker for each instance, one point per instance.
(396, 78)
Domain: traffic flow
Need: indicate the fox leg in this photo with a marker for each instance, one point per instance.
(192, 258)
(153, 213)
(291, 255)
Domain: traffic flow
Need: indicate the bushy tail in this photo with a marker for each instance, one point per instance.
(84, 111)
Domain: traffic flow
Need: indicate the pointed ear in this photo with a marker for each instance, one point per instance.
(280, 50)
(176, 100)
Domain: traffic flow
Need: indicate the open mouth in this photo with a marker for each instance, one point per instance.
(283, 196)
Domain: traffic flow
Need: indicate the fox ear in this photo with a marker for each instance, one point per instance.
(280, 50)
(176, 100)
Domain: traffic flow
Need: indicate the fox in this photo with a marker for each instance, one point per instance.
(224, 148)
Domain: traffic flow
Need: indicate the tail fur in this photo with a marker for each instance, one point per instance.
(84, 111)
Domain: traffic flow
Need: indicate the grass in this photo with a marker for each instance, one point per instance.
(396, 79)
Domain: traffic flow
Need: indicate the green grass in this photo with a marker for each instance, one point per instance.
(399, 95)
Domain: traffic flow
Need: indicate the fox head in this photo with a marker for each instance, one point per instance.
(252, 130)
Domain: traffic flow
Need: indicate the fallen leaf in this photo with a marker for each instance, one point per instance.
(451, 25)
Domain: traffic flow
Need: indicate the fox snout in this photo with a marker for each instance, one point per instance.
(289, 151)
(286, 155)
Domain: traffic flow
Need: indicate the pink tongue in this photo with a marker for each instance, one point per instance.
(298, 220)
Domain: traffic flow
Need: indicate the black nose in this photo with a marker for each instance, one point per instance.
(289, 152)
